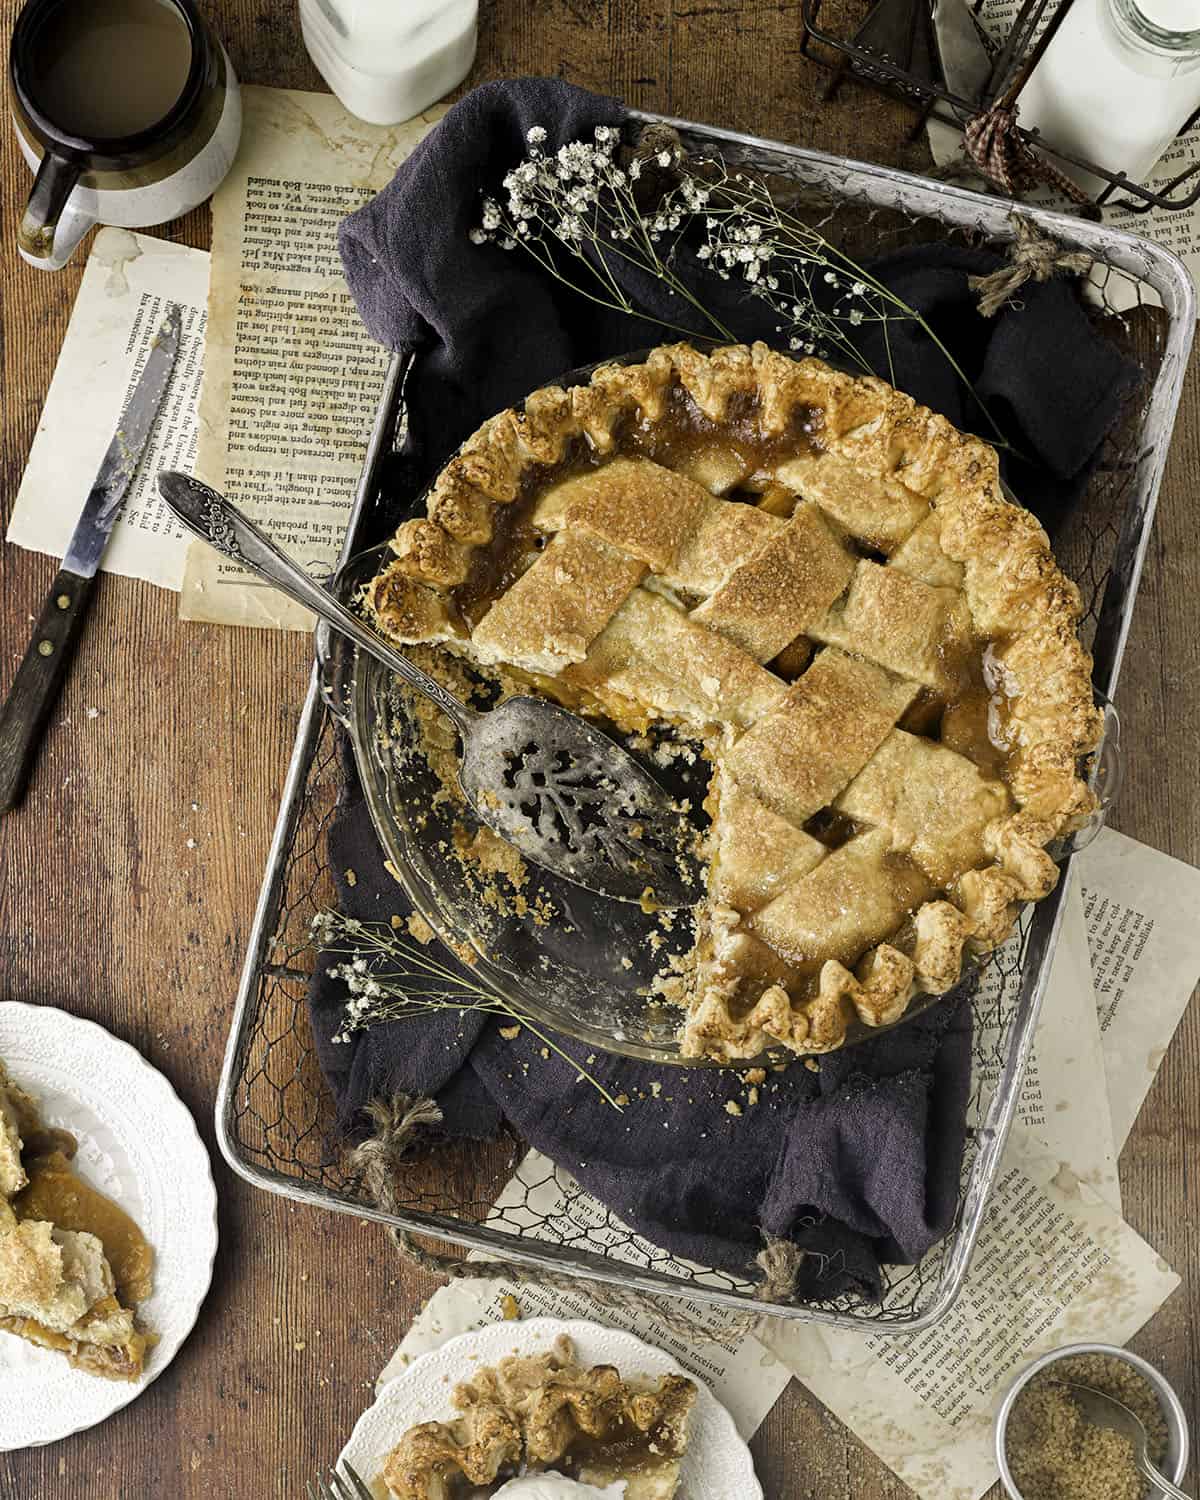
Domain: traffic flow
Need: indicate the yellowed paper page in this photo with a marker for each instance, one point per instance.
(1142, 910)
(1055, 1264)
(291, 377)
(127, 282)
(1064, 1102)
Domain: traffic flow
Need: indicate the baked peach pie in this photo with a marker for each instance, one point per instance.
(543, 1426)
(73, 1266)
(822, 584)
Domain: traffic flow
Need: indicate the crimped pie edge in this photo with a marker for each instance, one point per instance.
(1014, 588)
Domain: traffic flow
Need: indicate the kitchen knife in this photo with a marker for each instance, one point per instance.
(40, 676)
(965, 62)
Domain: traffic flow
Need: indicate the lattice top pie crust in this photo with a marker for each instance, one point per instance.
(823, 582)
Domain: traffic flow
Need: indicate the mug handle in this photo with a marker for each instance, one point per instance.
(49, 230)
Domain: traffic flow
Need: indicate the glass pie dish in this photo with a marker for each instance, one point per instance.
(573, 960)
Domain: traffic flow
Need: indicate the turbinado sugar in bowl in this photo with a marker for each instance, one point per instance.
(1055, 1453)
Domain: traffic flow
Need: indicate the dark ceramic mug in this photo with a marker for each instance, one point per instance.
(97, 161)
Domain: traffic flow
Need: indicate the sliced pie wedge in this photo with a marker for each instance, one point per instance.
(546, 1413)
(73, 1266)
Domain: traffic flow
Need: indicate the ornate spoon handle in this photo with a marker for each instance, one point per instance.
(219, 523)
(1160, 1481)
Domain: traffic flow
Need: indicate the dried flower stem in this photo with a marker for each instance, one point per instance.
(423, 986)
(580, 201)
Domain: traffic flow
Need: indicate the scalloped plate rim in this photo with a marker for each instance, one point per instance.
(123, 1394)
(543, 1331)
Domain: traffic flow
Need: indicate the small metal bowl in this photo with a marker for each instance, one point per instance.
(1175, 1460)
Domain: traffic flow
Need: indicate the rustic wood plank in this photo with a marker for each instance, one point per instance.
(105, 908)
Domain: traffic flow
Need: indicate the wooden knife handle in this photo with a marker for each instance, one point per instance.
(39, 681)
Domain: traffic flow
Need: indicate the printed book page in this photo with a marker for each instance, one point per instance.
(1127, 963)
(291, 376)
(1055, 1264)
(127, 282)
(1142, 911)
(1059, 1101)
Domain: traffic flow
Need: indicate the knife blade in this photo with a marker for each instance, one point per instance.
(120, 463)
(43, 668)
(966, 64)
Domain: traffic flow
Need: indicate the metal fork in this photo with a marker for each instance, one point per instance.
(350, 1487)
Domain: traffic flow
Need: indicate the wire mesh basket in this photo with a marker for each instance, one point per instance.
(274, 1115)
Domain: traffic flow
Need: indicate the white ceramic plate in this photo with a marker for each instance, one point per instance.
(138, 1144)
(717, 1465)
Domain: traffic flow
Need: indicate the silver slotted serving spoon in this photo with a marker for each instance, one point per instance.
(1103, 1410)
(548, 782)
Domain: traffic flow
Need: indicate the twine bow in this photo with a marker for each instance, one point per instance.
(1032, 256)
(1004, 156)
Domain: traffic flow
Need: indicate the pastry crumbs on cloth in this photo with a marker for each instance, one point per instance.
(1055, 1453)
(510, 1033)
(732, 1107)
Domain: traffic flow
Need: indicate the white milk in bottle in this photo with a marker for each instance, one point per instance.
(1116, 83)
(387, 60)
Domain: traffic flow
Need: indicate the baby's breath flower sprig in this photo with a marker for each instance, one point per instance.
(820, 292)
(419, 986)
(581, 201)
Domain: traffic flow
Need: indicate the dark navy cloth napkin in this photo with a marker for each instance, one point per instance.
(858, 1162)
(490, 325)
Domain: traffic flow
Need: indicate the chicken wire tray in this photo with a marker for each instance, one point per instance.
(274, 1116)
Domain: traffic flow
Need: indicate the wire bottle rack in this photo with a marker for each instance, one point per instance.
(274, 1114)
(894, 50)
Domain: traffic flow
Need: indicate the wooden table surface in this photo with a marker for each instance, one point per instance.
(128, 879)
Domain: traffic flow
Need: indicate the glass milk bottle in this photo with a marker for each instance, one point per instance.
(1116, 83)
(387, 60)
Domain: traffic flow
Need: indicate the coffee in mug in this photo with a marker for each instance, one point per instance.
(127, 110)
